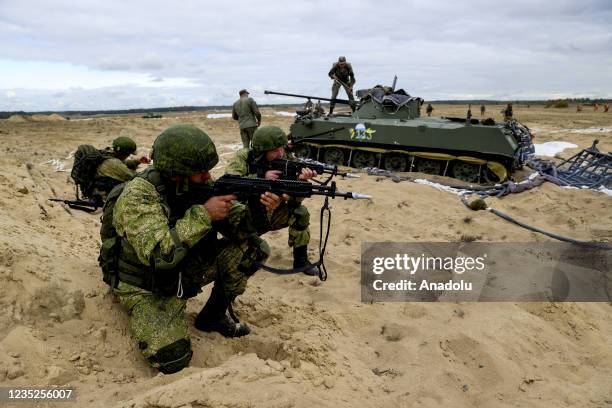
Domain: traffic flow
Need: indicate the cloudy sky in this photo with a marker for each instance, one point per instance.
(80, 55)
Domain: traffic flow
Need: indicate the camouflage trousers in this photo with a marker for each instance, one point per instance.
(296, 217)
(158, 323)
(336, 88)
(247, 135)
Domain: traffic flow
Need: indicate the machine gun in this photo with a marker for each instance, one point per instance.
(82, 205)
(291, 168)
(248, 190)
(340, 101)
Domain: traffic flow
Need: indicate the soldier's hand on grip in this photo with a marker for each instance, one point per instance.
(271, 201)
(218, 206)
(273, 174)
(307, 174)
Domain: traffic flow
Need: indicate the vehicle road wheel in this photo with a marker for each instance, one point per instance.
(467, 172)
(333, 156)
(363, 159)
(489, 176)
(429, 166)
(396, 162)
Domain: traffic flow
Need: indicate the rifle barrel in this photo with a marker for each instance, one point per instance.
(340, 101)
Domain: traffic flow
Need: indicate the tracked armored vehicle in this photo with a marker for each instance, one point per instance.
(387, 131)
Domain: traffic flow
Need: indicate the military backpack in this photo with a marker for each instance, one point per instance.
(86, 161)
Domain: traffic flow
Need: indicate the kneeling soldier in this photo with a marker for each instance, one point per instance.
(268, 144)
(160, 246)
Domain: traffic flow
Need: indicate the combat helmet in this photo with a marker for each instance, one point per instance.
(268, 138)
(183, 150)
(124, 146)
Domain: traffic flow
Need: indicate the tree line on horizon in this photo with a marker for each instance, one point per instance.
(546, 103)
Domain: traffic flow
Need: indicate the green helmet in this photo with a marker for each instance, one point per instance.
(268, 138)
(183, 150)
(124, 145)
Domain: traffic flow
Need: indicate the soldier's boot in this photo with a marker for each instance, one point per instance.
(214, 317)
(300, 259)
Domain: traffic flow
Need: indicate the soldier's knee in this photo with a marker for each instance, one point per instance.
(301, 218)
(173, 357)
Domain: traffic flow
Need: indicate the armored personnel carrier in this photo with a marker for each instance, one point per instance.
(386, 130)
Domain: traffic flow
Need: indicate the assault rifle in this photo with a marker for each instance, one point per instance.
(248, 190)
(244, 187)
(292, 169)
(83, 205)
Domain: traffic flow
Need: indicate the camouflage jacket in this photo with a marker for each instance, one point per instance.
(246, 112)
(240, 163)
(345, 74)
(141, 218)
(115, 169)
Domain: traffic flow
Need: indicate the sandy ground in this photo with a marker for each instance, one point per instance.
(312, 344)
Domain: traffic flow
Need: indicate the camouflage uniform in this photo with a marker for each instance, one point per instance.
(347, 77)
(246, 112)
(116, 169)
(291, 214)
(168, 250)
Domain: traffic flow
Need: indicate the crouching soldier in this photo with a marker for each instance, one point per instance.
(161, 246)
(96, 172)
(269, 143)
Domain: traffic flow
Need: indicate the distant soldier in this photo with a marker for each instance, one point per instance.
(429, 109)
(606, 107)
(508, 112)
(483, 109)
(246, 112)
(342, 75)
(595, 107)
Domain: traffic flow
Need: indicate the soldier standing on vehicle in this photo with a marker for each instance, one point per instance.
(342, 75)
(246, 112)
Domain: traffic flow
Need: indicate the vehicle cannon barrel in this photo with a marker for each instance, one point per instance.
(341, 101)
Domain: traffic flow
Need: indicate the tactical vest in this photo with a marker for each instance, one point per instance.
(181, 276)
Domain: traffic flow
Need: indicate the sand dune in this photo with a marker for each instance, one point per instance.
(312, 344)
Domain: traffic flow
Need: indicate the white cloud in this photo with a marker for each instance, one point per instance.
(192, 51)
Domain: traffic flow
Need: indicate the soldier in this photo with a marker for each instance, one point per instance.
(96, 172)
(269, 143)
(429, 109)
(342, 75)
(606, 107)
(508, 112)
(160, 247)
(483, 109)
(246, 112)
